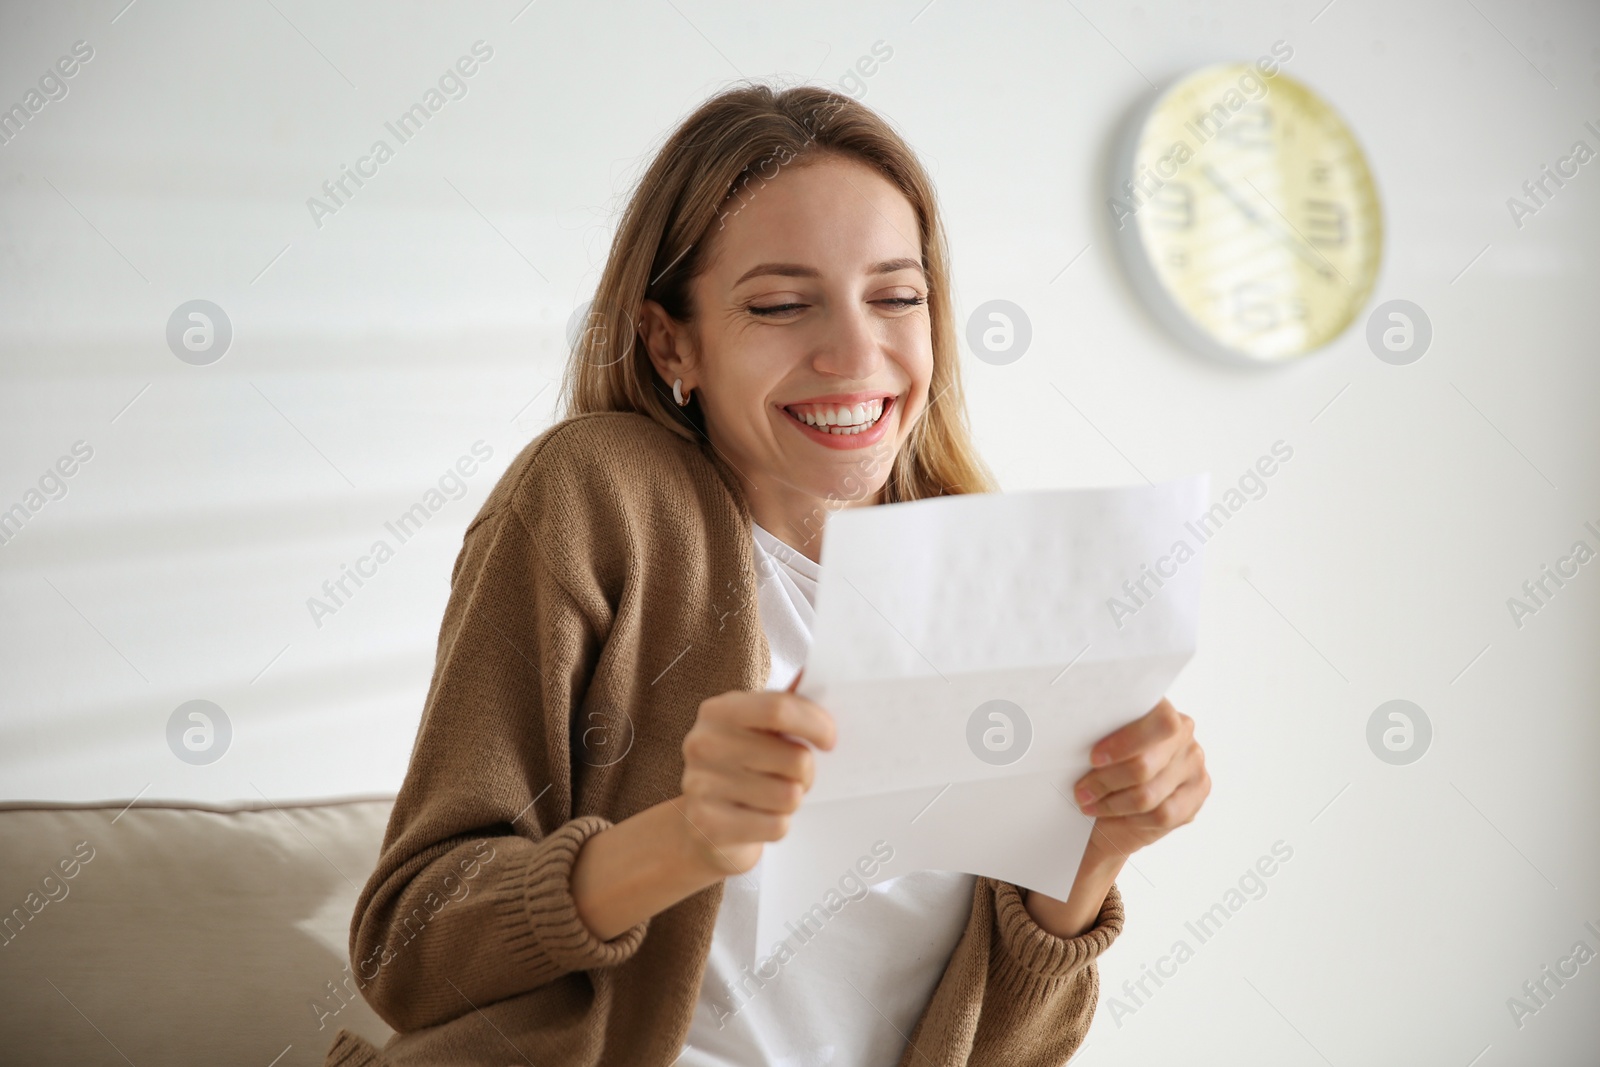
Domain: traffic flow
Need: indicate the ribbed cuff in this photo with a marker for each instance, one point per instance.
(543, 932)
(1040, 956)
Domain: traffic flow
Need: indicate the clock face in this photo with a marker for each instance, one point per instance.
(1249, 213)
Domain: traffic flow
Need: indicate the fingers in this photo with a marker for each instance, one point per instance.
(785, 713)
(1141, 797)
(1160, 723)
(1178, 808)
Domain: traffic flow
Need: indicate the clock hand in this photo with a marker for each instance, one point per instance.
(1319, 264)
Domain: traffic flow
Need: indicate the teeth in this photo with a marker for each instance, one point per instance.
(839, 419)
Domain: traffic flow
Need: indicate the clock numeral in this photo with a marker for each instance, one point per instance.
(1321, 172)
(1325, 223)
(1250, 128)
(1172, 207)
(1177, 258)
(1253, 307)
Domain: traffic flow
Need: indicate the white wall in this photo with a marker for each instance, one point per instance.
(428, 314)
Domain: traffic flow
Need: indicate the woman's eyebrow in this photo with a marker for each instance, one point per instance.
(800, 270)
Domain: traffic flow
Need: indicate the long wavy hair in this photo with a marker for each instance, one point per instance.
(731, 145)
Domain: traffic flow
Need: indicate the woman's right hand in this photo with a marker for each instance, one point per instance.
(742, 778)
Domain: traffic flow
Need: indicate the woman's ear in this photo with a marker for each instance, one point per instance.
(669, 344)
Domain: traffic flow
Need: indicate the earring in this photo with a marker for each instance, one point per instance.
(678, 393)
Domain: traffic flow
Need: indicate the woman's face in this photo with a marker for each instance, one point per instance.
(810, 351)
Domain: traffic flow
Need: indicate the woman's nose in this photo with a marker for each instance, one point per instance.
(850, 349)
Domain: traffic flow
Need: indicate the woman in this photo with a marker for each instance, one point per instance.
(611, 736)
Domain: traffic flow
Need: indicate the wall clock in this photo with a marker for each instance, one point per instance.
(1247, 217)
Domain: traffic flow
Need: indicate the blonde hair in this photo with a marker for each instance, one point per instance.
(733, 140)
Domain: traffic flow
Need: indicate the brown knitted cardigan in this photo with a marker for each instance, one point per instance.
(608, 579)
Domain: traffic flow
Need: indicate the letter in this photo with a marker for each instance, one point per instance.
(318, 609)
(361, 169)
(761, 968)
(1120, 212)
(805, 937)
(32, 898)
(1548, 977)
(1182, 551)
(1223, 507)
(1562, 971)
(67, 466)
(86, 454)
(1285, 454)
(1140, 982)
(1182, 951)
(1166, 166)
(12, 121)
(1283, 50)
(782, 950)
(434, 100)
(1127, 987)
(66, 66)
(884, 53)
(467, 66)
(339, 583)
(53, 87)
(466, 466)
(411, 122)
(743, 984)
(1527, 589)
(452, 85)
(50, 880)
(322, 1013)
(1166, 573)
(1573, 573)
(319, 209)
(851, 886)
(1267, 866)
(1163, 972)
(1250, 479)
(853, 86)
(482, 50)
(1527, 987)
(1232, 895)
(1152, 975)
(1582, 150)
(352, 575)
(50, 482)
(68, 867)
(33, 500)
(366, 573)
(866, 867)
(410, 522)
(1120, 611)
(1233, 99)
(433, 902)
(33, 101)
(381, 150)
(1546, 169)
(1544, 577)
(382, 552)
(1563, 171)
(83, 50)
(485, 453)
(833, 901)
(1219, 914)
(1267, 66)
(80, 847)
(18, 916)
(1232, 495)
(352, 176)
(1145, 576)
(1119, 1009)
(1283, 857)
(866, 66)
(1184, 155)
(1518, 1010)
(1252, 85)
(1527, 187)
(1266, 466)
(1133, 595)
(883, 850)
(1583, 952)
(1582, 551)
(460, 885)
(1252, 884)
(1518, 210)
(451, 484)
(818, 914)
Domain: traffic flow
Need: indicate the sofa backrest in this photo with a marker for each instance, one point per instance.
(182, 934)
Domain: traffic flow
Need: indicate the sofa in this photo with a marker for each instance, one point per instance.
(176, 933)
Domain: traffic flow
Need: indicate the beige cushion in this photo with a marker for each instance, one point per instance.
(192, 935)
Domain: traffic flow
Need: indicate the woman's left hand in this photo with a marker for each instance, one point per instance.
(1150, 778)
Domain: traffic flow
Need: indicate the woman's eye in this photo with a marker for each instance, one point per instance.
(903, 301)
(773, 309)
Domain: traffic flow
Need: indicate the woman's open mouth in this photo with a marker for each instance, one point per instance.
(841, 424)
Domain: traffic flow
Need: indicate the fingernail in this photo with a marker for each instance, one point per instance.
(1085, 794)
(1090, 809)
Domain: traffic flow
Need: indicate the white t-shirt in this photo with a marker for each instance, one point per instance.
(892, 942)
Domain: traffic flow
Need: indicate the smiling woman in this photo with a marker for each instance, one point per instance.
(651, 561)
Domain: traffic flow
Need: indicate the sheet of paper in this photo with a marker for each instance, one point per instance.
(971, 650)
